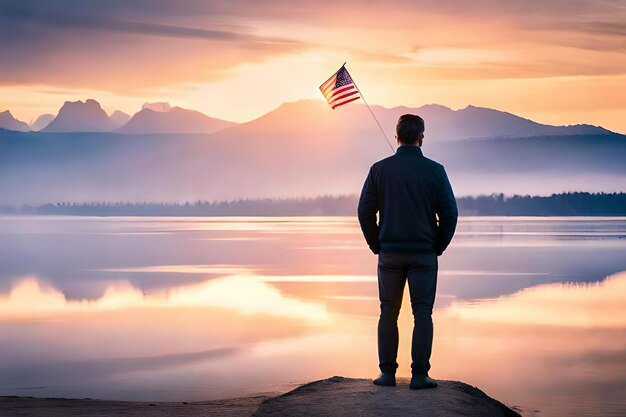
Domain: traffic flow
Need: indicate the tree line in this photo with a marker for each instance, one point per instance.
(564, 204)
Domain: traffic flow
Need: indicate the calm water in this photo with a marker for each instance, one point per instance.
(531, 310)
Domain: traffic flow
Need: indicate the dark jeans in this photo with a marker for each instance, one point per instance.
(393, 271)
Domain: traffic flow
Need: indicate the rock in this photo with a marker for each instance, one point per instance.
(338, 397)
(332, 397)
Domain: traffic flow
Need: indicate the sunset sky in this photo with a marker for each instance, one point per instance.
(558, 62)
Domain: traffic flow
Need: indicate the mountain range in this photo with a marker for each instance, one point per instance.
(119, 118)
(42, 121)
(76, 116)
(88, 116)
(443, 122)
(7, 121)
(172, 120)
(300, 149)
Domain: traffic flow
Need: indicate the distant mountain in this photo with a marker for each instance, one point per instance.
(304, 149)
(39, 167)
(42, 121)
(308, 148)
(7, 121)
(158, 106)
(484, 122)
(78, 116)
(119, 118)
(442, 123)
(174, 120)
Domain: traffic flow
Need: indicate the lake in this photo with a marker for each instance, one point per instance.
(531, 310)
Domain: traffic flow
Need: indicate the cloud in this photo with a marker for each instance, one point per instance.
(67, 44)
(22, 17)
(605, 28)
(190, 52)
(129, 46)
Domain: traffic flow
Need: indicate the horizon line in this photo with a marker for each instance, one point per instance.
(298, 199)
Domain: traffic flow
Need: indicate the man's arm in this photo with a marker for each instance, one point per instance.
(368, 207)
(447, 213)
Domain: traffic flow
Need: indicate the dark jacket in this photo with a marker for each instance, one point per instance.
(415, 202)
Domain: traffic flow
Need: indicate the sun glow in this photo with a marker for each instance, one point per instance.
(243, 293)
(554, 305)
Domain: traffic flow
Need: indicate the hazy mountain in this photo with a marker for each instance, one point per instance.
(307, 148)
(119, 118)
(36, 168)
(42, 121)
(442, 123)
(482, 122)
(78, 116)
(158, 106)
(174, 120)
(300, 149)
(7, 121)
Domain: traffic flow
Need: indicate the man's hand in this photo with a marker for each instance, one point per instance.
(375, 248)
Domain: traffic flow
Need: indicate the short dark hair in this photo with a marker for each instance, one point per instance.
(409, 127)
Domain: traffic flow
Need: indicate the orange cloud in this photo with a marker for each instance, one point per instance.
(238, 59)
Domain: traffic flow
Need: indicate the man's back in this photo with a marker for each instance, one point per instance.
(410, 192)
(418, 216)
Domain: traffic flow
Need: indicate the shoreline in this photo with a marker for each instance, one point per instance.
(332, 397)
(562, 204)
(66, 407)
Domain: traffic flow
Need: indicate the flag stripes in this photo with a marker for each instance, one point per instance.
(339, 89)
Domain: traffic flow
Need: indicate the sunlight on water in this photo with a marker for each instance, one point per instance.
(243, 294)
(559, 348)
(555, 304)
(532, 310)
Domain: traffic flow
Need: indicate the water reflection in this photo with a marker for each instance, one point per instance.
(186, 269)
(244, 294)
(531, 310)
(589, 305)
(82, 256)
(559, 348)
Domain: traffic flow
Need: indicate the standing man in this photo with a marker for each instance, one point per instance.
(418, 216)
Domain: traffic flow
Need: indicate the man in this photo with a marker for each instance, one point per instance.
(417, 219)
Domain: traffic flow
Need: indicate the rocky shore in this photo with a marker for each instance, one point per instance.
(332, 397)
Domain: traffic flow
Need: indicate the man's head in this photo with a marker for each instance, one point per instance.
(410, 130)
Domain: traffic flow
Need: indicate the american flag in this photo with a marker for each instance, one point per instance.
(340, 89)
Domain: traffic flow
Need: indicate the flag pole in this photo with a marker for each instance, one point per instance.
(373, 115)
